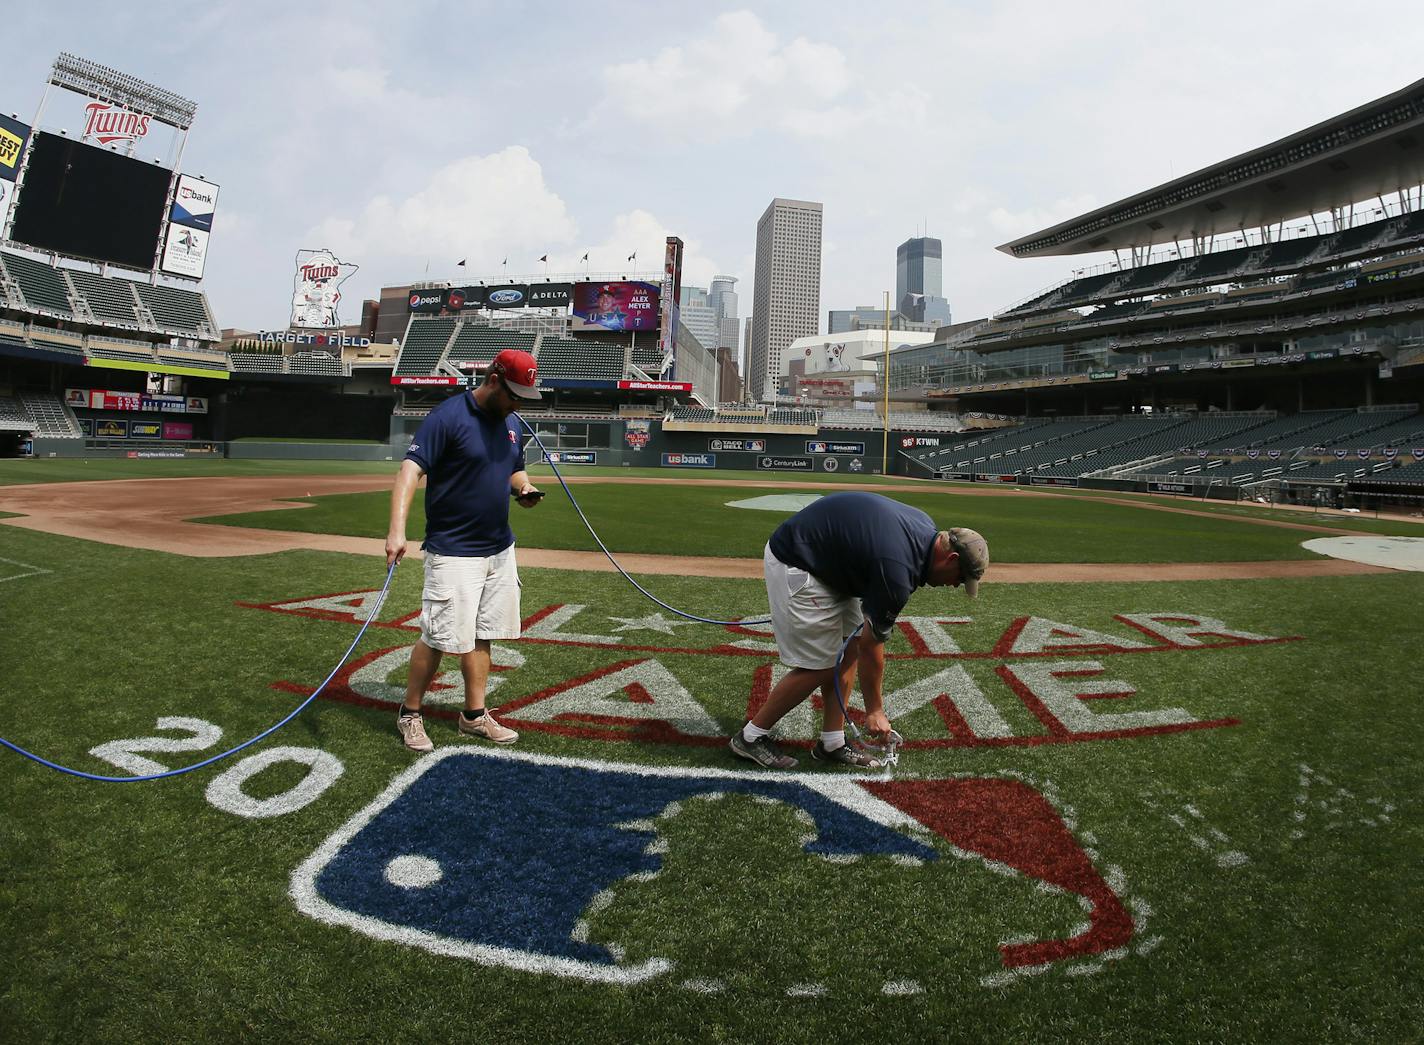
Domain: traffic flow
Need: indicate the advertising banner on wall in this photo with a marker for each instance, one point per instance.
(616, 306)
(509, 295)
(689, 460)
(145, 429)
(426, 300)
(104, 399)
(786, 464)
(194, 202)
(13, 136)
(177, 430)
(185, 252)
(755, 446)
(105, 428)
(316, 288)
(550, 295)
(818, 446)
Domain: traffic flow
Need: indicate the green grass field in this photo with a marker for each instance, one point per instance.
(698, 520)
(1237, 859)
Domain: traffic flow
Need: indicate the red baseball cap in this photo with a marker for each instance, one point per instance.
(519, 371)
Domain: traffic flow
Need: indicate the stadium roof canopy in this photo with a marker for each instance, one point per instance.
(1366, 152)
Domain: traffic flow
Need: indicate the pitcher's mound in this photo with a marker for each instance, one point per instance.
(777, 502)
(1395, 553)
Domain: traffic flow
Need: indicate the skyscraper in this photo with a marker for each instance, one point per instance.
(919, 280)
(722, 298)
(786, 297)
(695, 313)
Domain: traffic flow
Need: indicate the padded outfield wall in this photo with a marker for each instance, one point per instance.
(644, 444)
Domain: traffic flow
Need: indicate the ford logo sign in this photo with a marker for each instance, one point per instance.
(507, 297)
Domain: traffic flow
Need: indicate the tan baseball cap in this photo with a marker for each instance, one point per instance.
(973, 556)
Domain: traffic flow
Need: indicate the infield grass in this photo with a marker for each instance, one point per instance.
(145, 911)
(698, 520)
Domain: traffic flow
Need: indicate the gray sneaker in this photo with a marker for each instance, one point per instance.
(762, 751)
(845, 755)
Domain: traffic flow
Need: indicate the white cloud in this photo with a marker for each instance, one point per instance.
(483, 208)
(739, 71)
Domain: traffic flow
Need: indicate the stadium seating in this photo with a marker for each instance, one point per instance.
(699, 414)
(1281, 433)
(1339, 429)
(44, 287)
(110, 300)
(256, 363)
(178, 310)
(647, 357)
(1408, 431)
(130, 354)
(424, 347)
(791, 416)
(49, 417)
(315, 363)
(13, 416)
(479, 344)
(56, 341)
(567, 359)
(1292, 252)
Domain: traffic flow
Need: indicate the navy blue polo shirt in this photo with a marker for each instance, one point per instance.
(468, 457)
(862, 545)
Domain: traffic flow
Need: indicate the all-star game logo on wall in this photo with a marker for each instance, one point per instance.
(316, 294)
(637, 434)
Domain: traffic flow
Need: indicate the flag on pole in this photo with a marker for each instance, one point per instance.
(633, 256)
(584, 258)
(460, 263)
(544, 258)
(504, 263)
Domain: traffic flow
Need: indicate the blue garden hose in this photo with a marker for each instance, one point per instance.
(604, 548)
(892, 741)
(390, 572)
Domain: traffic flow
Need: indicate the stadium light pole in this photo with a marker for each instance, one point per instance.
(885, 381)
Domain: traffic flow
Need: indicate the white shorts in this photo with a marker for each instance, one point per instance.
(810, 621)
(467, 598)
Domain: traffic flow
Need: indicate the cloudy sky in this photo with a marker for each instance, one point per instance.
(411, 135)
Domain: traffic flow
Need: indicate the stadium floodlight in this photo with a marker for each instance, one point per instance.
(109, 85)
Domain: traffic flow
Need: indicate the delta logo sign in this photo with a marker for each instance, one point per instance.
(107, 124)
(575, 833)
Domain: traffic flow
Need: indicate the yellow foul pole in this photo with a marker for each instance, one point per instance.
(885, 381)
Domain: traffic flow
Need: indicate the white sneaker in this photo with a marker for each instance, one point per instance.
(412, 731)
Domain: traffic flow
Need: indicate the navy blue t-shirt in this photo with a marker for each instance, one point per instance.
(468, 457)
(862, 545)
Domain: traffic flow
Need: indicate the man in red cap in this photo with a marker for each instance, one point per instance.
(471, 452)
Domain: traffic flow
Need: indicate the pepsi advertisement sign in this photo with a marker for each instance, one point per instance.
(427, 300)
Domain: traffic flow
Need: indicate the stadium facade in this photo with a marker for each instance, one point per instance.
(1253, 328)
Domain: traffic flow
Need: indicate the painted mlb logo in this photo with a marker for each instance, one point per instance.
(571, 832)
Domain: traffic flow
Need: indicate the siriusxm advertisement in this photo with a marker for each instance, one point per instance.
(616, 306)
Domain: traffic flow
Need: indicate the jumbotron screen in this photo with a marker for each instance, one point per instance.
(86, 202)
